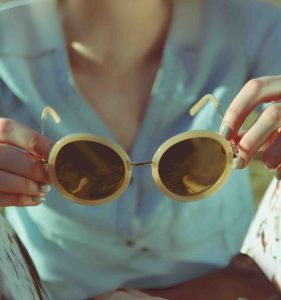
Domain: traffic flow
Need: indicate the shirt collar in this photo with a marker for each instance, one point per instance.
(35, 29)
(29, 27)
(186, 30)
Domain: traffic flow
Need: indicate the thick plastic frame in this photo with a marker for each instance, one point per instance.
(229, 151)
(185, 136)
(92, 138)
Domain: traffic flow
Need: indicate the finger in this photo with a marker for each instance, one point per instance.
(7, 199)
(239, 136)
(272, 155)
(262, 130)
(22, 163)
(255, 92)
(15, 184)
(13, 133)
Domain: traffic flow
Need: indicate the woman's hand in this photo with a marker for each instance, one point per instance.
(23, 177)
(264, 133)
(241, 279)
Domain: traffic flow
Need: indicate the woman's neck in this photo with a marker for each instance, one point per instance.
(120, 34)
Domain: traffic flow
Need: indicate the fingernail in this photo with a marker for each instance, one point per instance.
(270, 169)
(226, 131)
(44, 188)
(238, 163)
(38, 199)
(46, 172)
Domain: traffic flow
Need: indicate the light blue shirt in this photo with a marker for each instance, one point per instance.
(142, 239)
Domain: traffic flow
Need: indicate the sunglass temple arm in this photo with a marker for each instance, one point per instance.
(56, 118)
(200, 103)
(48, 110)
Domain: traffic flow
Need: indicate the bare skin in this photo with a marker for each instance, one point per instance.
(21, 169)
(242, 278)
(121, 52)
(264, 133)
(120, 94)
(102, 43)
(123, 68)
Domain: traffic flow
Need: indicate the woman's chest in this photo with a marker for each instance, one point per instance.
(121, 106)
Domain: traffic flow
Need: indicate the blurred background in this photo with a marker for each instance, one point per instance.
(276, 2)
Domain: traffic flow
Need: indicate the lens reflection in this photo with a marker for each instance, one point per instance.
(192, 166)
(89, 170)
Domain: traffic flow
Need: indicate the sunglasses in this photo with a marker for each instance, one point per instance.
(89, 169)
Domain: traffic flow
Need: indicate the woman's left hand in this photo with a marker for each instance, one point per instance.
(265, 133)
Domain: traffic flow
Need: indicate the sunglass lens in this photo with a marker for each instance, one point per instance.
(89, 170)
(192, 166)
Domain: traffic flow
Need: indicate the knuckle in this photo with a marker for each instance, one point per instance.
(255, 86)
(6, 127)
(3, 152)
(268, 163)
(273, 114)
(28, 186)
(233, 113)
(32, 141)
(3, 200)
(247, 146)
(19, 198)
(34, 169)
(271, 158)
(33, 166)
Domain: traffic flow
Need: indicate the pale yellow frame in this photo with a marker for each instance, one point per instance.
(184, 136)
(94, 138)
(229, 150)
(128, 164)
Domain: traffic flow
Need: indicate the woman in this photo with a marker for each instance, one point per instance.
(129, 72)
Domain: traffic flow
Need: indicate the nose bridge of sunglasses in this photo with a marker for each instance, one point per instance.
(137, 164)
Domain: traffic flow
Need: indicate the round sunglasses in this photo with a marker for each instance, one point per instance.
(89, 169)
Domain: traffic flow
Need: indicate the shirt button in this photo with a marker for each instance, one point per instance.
(144, 249)
(130, 243)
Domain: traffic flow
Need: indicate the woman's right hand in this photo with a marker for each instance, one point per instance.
(23, 174)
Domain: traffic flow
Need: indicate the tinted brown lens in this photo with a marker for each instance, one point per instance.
(192, 166)
(89, 170)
